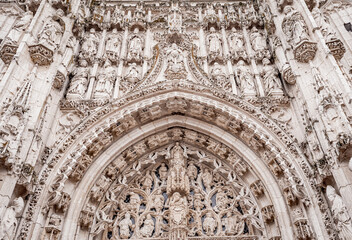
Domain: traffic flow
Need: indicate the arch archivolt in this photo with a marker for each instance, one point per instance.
(210, 124)
(117, 173)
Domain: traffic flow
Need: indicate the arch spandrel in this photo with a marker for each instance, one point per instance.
(221, 118)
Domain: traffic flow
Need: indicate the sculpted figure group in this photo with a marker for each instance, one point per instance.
(155, 208)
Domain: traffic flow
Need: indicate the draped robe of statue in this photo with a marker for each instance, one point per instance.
(79, 82)
(8, 224)
(340, 214)
(51, 34)
(178, 188)
(214, 44)
(294, 26)
(20, 27)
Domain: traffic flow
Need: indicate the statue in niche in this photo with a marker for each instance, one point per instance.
(158, 200)
(117, 16)
(175, 19)
(233, 224)
(207, 178)
(177, 179)
(251, 14)
(340, 213)
(139, 12)
(221, 201)
(112, 47)
(245, 78)
(323, 22)
(209, 224)
(163, 173)
(258, 42)
(175, 63)
(90, 46)
(148, 227)
(134, 203)
(106, 79)
(147, 182)
(19, 27)
(125, 226)
(210, 10)
(135, 47)
(214, 44)
(198, 200)
(293, 26)
(271, 78)
(8, 224)
(79, 82)
(133, 74)
(219, 77)
(51, 34)
(192, 173)
(237, 45)
(178, 209)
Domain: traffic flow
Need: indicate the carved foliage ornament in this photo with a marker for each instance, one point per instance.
(177, 198)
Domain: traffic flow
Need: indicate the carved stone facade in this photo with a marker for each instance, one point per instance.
(175, 120)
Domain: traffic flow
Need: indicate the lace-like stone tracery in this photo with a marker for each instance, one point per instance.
(182, 194)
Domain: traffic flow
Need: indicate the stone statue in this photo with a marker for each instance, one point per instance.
(90, 46)
(271, 78)
(233, 224)
(174, 19)
(106, 79)
(207, 179)
(79, 82)
(112, 46)
(258, 40)
(214, 44)
(158, 200)
(148, 227)
(8, 224)
(19, 27)
(175, 62)
(323, 22)
(135, 47)
(219, 77)
(177, 179)
(192, 172)
(133, 74)
(245, 78)
(163, 173)
(237, 45)
(258, 43)
(125, 226)
(198, 200)
(221, 201)
(209, 224)
(147, 182)
(178, 209)
(293, 26)
(117, 16)
(51, 34)
(340, 213)
(135, 202)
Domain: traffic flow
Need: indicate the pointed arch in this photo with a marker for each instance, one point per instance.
(235, 124)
